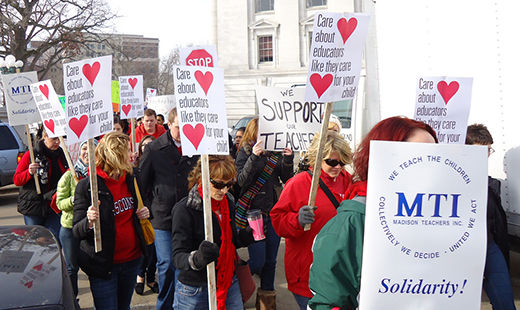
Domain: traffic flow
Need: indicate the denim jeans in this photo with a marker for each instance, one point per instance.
(189, 297)
(70, 247)
(262, 257)
(51, 222)
(497, 282)
(116, 292)
(165, 269)
(302, 301)
(148, 267)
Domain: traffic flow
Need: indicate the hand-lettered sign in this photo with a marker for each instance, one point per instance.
(419, 235)
(21, 108)
(286, 120)
(131, 93)
(88, 90)
(444, 104)
(49, 106)
(335, 56)
(201, 108)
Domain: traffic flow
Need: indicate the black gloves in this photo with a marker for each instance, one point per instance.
(305, 215)
(245, 236)
(208, 252)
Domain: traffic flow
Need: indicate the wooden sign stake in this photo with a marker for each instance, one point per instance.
(319, 158)
(208, 230)
(132, 125)
(69, 160)
(94, 192)
(31, 154)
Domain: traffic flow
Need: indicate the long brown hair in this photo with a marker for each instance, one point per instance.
(221, 167)
(250, 134)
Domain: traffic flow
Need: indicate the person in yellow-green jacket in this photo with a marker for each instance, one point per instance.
(65, 202)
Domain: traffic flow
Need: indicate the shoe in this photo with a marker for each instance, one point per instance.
(139, 288)
(265, 300)
(153, 286)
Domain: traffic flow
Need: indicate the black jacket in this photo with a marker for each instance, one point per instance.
(249, 167)
(99, 264)
(496, 218)
(29, 202)
(164, 179)
(188, 234)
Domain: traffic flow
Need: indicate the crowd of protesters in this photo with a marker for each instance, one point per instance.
(322, 264)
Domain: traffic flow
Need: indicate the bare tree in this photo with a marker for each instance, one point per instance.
(42, 33)
(165, 82)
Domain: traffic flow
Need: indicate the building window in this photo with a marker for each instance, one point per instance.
(265, 49)
(311, 3)
(264, 5)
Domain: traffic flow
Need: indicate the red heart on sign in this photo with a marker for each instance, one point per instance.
(447, 91)
(195, 135)
(91, 72)
(77, 125)
(29, 284)
(38, 267)
(132, 82)
(151, 90)
(126, 108)
(49, 124)
(45, 90)
(346, 28)
(204, 79)
(321, 84)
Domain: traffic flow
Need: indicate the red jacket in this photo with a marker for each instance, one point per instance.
(298, 243)
(140, 132)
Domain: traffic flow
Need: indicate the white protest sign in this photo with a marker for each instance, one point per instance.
(201, 109)
(49, 106)
(285, 119)
(335, 56)
(131, 95)
(444, 103)
(162, 104)
(425, 226)
(203, 56)
(88, 90)
(150, 92)
(21, 108)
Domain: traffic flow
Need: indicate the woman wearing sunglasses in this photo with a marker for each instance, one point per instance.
(191, 252)
(335, 274)
(291, 213)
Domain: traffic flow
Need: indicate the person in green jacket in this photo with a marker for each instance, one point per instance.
(335, 274)
(65, 202)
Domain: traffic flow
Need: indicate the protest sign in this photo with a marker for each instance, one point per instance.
(161, 104)
(201, 109)
(49, 106)
(203, 56)
(444, 103)
(131, 94)
(62, 102)
(335, 56)
(115, 96)
(285, 119)
(425, 226)
(87, 86)
(150, 92)
(21, 108)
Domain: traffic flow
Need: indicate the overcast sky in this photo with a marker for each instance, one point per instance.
(174, 22)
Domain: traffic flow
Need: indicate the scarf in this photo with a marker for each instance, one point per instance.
(81, 169)
(226, 261)
(357, 189)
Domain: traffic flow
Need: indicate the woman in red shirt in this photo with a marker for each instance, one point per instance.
(112, 271)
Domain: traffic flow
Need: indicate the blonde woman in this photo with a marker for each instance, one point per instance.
(291, 213)
(112, 272)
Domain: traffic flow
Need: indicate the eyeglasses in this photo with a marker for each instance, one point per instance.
(334, 162)
(490, 150)
(221, 185)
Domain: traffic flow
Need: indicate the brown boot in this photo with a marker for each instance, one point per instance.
(265, 300)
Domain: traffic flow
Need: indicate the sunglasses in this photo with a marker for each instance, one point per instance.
(221, 185)
(334, 162)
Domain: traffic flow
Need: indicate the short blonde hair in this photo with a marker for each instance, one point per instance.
(334, 143)
(112, 154)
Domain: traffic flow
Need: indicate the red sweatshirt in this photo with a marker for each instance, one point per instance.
(127, 243)
(140, 132)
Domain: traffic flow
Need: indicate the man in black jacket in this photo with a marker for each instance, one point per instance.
(164, 176)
